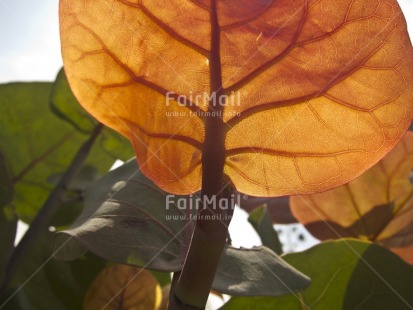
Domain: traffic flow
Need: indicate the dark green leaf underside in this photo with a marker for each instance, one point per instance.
(126, 219)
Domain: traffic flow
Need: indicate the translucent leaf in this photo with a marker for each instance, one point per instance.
(121, 287)
(377, 206)
(313, 92)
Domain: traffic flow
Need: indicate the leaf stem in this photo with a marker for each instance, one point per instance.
(210, 234)
(43, 217)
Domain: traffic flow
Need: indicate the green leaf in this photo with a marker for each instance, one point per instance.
(163, 278)
(126, 219)
(68, 212)
(31, 283)
(345, 274)
(256, 272)
(72, 204)
(278, 208)
(37, 144)
(114, 145)
(261, 221)
(64, 104)
(81, 181)
(70, 281)
(44, 283)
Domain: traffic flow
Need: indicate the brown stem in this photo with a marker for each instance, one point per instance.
(211, 230)
(43, 217)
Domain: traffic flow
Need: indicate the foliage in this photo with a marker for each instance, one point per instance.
(315, 93)
(37, 148)
(346, 274)
(37, 145)
(124, 205)
(376, 206)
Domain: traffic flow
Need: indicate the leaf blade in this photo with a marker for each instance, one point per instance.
(125, 220)
(256, 272)
(333, 63)
(345, 274)
(123, 287)
(376, 206)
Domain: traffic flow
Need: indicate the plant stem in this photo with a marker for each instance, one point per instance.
(43, 217)
(210, 234)
(174, 302)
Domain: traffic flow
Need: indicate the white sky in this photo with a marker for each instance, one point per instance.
(30, 51)
(29, 40)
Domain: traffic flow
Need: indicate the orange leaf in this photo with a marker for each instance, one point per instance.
(317, 91)
(123, 287)
(377, 206)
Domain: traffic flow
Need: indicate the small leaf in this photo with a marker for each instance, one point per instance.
(121, 287)
(278, 208)
(256, 272)
(163, 278)
(377, 206)
(345, 274)
(260, 220)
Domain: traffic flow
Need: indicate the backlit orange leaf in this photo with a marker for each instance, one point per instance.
(121, 287)
(376, 206)
(314, 91)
